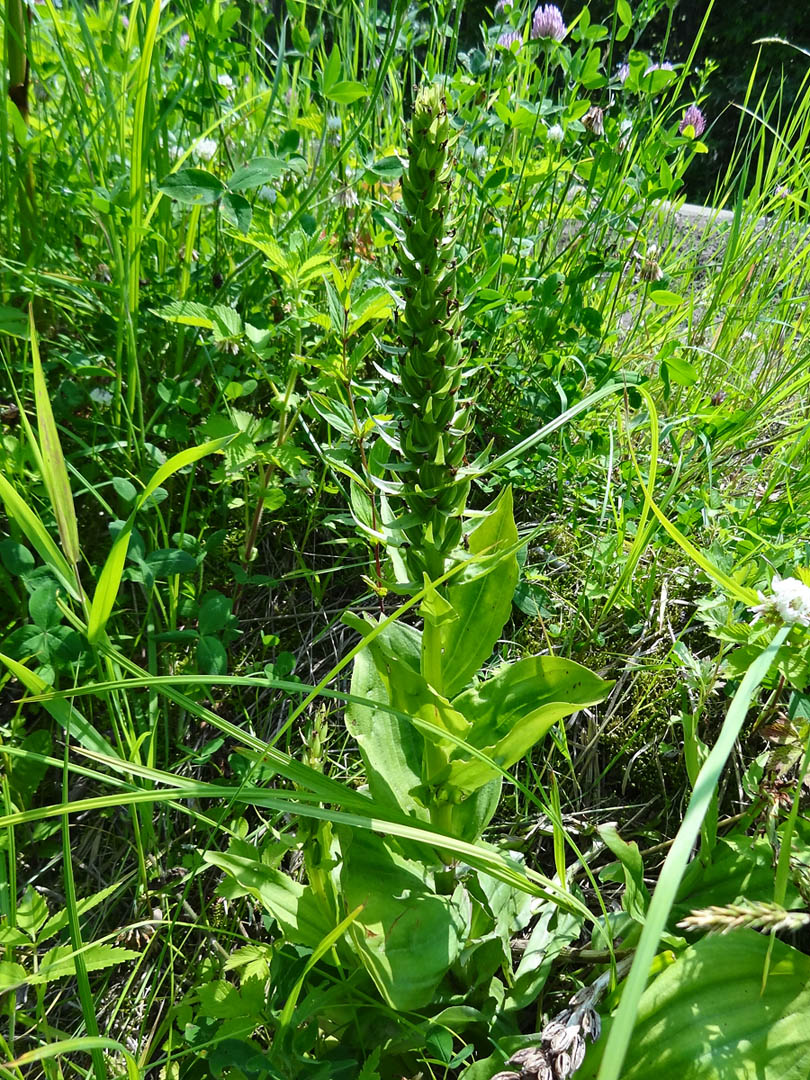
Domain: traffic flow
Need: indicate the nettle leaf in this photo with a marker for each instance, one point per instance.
(399, 909)
(721, 1012)
(192, 187)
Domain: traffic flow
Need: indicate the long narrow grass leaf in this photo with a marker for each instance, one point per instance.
(675, 863)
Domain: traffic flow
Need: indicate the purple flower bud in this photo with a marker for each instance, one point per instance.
(663, 66)
(184, 40)
(507, 40)
(502, 7)
(623, 72)
(548, 23)
(692, 118)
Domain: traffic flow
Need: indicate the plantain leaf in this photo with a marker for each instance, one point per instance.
(515, 708)
(390, 747)
(482, 598)
(294, 907)
(709, 1017)
(406, 935)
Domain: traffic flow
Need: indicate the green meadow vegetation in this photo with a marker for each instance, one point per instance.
(404, 548)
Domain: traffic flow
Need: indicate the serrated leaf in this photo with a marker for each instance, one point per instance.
(187, 313)
(32, 911)
(60, 962)
(59, 920)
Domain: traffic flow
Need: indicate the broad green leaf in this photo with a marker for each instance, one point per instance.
(61, 961)
(515, 708)
(11, 975)
(236, 210)
(331, 71)
(258, 171)
(212, 657)
(13, 322)
(708, 1016)
(55, 473)
(109, 580)
(680, 371)
(187, 313)
(666, 298)
(375, 304)
(390, 747)
(406, 936)
(165, 562)
(294, 907)
(192, 187)
(65, 714)
(482, 598)
(344, 93)
(636, 896)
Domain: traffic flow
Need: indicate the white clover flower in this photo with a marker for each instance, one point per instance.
(788, 602)
(206, 149)
(346, 197)
(225, 81)
(555, 133)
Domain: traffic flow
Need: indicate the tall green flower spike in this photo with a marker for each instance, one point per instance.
(434, 421)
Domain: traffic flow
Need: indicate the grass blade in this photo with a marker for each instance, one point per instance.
(54, 473)
(109, 580)
(675, 863)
